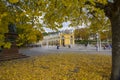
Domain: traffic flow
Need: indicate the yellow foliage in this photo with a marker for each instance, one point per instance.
(13, 1)
(19, 44)
(58, 67)
(7, 45)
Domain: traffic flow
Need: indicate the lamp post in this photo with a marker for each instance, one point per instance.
(98, 42)
(97, 45)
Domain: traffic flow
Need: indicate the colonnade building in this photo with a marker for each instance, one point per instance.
(63, 38)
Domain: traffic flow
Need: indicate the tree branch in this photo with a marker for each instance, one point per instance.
(108, 8)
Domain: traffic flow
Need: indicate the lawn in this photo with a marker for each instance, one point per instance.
(58, 67)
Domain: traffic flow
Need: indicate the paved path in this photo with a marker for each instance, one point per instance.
(52, 49)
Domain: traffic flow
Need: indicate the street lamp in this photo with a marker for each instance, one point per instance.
(98, 42)
(97, 45)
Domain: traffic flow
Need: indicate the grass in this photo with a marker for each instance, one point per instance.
(58, 67)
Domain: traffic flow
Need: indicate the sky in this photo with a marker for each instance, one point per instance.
(65, 26)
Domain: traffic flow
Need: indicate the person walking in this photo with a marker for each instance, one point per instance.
(69, 46)
(58, 46)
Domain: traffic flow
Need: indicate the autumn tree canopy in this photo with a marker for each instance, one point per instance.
(82, 33)
(54, 12)
(25, 17)
(36, 14)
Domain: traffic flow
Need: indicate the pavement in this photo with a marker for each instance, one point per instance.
(53, 49)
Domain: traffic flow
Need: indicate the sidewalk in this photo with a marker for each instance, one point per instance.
(53, 49)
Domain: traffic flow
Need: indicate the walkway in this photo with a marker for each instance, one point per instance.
(52, 49)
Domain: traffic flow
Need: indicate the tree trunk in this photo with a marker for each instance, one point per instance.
(115, 22)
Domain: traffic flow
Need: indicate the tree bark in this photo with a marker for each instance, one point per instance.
(115, 22)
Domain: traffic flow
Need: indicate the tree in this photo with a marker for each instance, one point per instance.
(77, 12)
(3, 23)
(25, 16)
(105, 35)
(82, 33)
(28, 35)
(111, 10)
(113, 13)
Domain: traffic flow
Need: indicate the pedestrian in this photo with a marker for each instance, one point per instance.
(69, 46)
(96, 47)
(57, 46)
(104, 47)
(111, 46)
(86, 44)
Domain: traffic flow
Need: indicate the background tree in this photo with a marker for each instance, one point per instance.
(106, 35)
(82, 35)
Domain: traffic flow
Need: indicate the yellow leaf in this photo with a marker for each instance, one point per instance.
(13, 1)
(7, 45)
